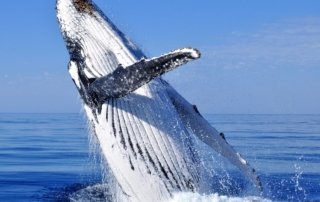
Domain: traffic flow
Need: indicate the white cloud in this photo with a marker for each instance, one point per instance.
(290, 43)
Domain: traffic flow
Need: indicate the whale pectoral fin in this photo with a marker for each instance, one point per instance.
(210, 136)
(125, 80)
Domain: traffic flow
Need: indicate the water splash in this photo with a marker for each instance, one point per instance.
(102, 193)
(297, 177)
(195, 197)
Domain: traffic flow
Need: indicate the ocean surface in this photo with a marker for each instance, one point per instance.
(48, 157)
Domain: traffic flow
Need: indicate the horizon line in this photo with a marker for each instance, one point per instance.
(201, 113)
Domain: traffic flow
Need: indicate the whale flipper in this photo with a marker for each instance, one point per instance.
(192, 119)
(124, 80)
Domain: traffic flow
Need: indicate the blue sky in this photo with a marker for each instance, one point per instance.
(258, 56)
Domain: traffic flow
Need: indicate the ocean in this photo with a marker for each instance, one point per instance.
(48, 157)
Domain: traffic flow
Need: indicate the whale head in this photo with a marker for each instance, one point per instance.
(90, 36)
(98, 51)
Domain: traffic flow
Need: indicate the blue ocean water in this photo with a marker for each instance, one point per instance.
(46, 157)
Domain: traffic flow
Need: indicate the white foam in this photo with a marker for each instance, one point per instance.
(100, 192)
(196, 197)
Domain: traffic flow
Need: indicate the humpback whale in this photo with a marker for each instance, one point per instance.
(146, 130)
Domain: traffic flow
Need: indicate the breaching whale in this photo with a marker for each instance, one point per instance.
(145, 129)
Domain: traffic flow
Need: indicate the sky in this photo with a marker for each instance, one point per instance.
(258, 57)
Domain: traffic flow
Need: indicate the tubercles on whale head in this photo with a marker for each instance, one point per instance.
(80, 5)
(83, 6)
(73, 9)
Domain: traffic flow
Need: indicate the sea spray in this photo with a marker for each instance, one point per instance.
(297, 177)
(196, 197)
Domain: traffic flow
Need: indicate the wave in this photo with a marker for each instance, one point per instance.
(101, 192)
(196, 197)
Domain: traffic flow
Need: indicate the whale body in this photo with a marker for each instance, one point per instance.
(146, 130)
